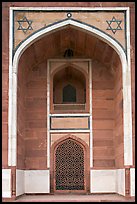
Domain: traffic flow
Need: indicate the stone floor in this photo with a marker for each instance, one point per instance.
(74, 198)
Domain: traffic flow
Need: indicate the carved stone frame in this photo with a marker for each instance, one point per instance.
(86, 165)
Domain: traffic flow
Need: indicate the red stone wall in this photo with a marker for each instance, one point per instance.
(118, 124)
(32, 113)
(36, 119)
(103, 116)
(108, 141)
(21, 92)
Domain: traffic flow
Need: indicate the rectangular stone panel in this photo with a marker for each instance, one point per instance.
(37, 181)
(6, 183)
(20, 182)
(103, 181)
(132, 181)
(70, 123)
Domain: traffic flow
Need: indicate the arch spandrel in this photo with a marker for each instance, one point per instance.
(59, 25)
(110, 22)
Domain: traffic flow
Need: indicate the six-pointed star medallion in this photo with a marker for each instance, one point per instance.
(25, 24)
(114, 25)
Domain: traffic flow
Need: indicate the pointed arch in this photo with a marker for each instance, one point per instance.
(85, 149)
(13, 70)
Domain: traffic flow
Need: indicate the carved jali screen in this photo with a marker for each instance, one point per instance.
(69, 166)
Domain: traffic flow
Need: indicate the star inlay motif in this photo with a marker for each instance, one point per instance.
(25, 24)
(114, 25)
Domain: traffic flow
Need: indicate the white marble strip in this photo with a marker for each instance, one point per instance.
(69, 114)
(6, 183)
(12, 110)
(127, 102)
(128, 38)
(120, 181)
(90, 102)
(77, 130)
(20, 182)
(132, 181)
(48, 117)
(10, 86)
(70, 8)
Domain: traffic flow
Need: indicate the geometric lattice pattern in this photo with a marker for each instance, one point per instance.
(114, 25)
(69, 166)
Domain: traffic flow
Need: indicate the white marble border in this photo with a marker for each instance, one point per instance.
(10, 89)
(57, 131)
(107, 181)
(120, 181)
(70, 114)
(20, 182)
(132, 181)
(37, 181)
(127, 110)
(70, 8)
(90, 102)
(127, 102)
(32, 181)
(6, 183)
(48, 114)
(67, 114)
(103, 181)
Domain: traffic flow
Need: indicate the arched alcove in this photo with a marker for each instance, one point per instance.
(70, 153)
(69, 166)
(69, 87)
(36, 47)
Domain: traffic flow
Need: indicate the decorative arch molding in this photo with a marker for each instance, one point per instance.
(13, 70)
(72, 22)
(69, 136)
(65, 64)
(85, 148)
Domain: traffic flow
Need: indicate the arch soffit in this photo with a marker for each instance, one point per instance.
(98, 33)
(64, 66)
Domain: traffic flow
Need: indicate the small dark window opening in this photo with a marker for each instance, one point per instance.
(69, 94)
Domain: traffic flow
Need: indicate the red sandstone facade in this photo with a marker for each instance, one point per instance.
(37, 103)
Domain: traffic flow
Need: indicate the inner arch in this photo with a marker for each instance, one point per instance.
(69, 166)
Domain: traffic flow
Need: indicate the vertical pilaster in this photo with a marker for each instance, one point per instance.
(13, 182)
(48, 117)
(127, 182)
(90, 104)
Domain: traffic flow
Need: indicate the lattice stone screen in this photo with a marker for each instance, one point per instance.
(69, 164)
